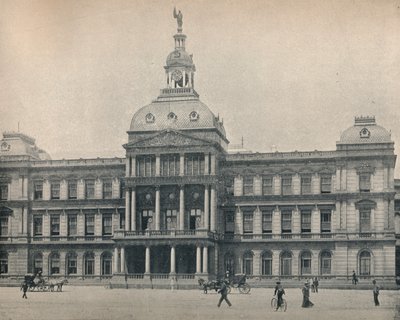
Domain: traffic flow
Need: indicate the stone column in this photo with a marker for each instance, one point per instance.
(123, 260)
(181, 209)
(173, 269)
(158, 165)
(157, 218)
(128, 166)
(198, 259)
(206, 209)
(147, 265)
(213, 208)
(206, 164)
(115, 266)
(205, 259)
(133, 210)
(213, 164)
(25, 222)
(127, 211)
(182, 164)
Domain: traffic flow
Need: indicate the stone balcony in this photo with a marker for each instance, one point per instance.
(165, 234)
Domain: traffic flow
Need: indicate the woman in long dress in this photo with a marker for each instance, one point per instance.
(306, 296)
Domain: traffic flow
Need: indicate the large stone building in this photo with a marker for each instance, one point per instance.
(180, 205)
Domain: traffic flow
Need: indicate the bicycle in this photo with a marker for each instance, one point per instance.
(274, 303)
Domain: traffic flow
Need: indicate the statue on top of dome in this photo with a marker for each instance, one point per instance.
(179, 18)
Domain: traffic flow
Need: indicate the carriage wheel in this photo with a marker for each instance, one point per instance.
(244, 288)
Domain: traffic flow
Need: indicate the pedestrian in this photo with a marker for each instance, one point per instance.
(306, 296)
(25, 289)
(315, 284)
(224, 294)
(375, 291)
(354, 279)
(279, 292)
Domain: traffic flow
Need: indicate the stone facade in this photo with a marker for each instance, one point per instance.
(181, 206)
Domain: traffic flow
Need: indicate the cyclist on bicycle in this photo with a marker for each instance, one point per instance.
(279, 292)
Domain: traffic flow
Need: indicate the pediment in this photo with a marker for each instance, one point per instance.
(169, 138)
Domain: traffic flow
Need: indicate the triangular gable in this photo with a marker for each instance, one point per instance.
(169, 138)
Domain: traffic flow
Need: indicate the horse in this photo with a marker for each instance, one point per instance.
(58, 285)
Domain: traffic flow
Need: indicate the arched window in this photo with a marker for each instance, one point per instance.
(326, 262)
(37, 263)
(365, 263)
(71, 263)
(306, 263)
(229, 261)
(248, 263)
(106, 263)
(89, 263)
(286, 263)
(3, 262)
(266, 267)
(54, 263)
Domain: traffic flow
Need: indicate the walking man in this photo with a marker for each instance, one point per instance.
(25, 289)
(279, 292)
(354, 279)
(315, 284)
(224, 294)
(375, 291)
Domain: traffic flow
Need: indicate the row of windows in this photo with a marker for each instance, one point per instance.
(72, 189)
(72, 226)
(305, 184)
(194, 164)
(71, 263)
(285, 263)
(286, 221)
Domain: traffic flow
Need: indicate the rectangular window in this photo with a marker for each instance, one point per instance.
(267, 266)
(194, 164)
(305, 220)
(3, 191)
(306, 184)
(365, 220)
(146, 166)
(89, 189)
(326, 184)
(267, 185)
(55, 225)
(267, 222)
(72, 190)
(325, 221)
(107, 225)
(365, 182)
(89, 225)
(72, 265)
(107, 189)
(248, 186)
(122, 189)
(3, 226)
(37, 225)
(72, 225)
(89, 266)
(170, 165)
(55, 190)
(3, 264)
(286, 221)
(229, 222)
(38, 190)
(248, 223)
(286, 185)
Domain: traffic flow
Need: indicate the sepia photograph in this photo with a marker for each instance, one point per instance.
(231, 159)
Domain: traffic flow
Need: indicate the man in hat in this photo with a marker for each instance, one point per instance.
(306, 296)
(279, 292)
(224, 294)
(375, 291)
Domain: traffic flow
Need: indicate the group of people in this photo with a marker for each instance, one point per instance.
(280, 291)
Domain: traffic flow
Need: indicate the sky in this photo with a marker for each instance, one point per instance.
(290, 74)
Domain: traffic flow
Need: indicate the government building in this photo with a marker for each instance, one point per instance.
(181, 205)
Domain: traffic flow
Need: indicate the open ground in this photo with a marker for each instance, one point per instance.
(94, 303)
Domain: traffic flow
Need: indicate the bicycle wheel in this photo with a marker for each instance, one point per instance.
(284, 305)
(244, 288)
(274, 302)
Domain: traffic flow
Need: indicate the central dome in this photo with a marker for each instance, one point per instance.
(179, 58)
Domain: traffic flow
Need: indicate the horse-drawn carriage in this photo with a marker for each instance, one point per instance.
(39, 284)
(236, 281)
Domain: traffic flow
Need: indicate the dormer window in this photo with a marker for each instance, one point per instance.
(172, 116)
(194, 116)
(150, 118)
